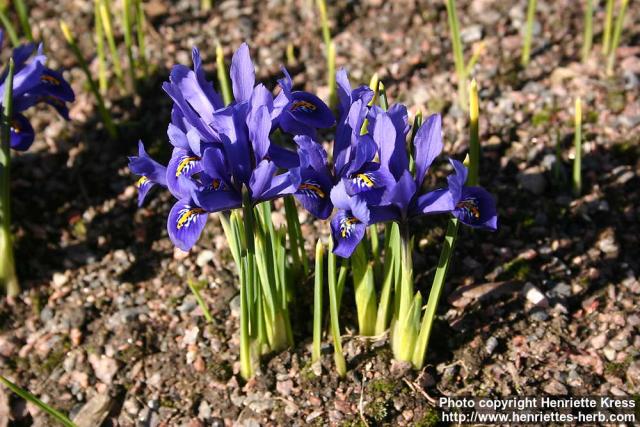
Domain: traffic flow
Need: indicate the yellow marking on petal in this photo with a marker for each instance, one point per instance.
(365, 179)
(50, 79)
(303, 105)
(185, 163)
(187, 215)
(470, 206)
(15, 126)
(215, 184)
(142, 181)
(346, 224)
(313, 187)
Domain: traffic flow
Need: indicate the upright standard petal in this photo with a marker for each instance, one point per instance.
(185, 223)
(477, 208)
(428, 145)
(243, 75)
(259, 129)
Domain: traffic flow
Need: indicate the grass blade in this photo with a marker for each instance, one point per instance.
(195, 289)
(104, 113)
(59, 416)
(577, 141)
(8, 275)
(528, 33)
(128, 40)
(608, 26)
(8, 27)
(23, 16)
(317, 302)
(587, 38)
(223, 76)
(102, 58)
(105, 14)
(617, 33)
(142, 45)
(341, 365)
(458, 58)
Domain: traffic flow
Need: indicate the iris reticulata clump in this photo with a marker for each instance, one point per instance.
(239, 157)
(23, 84)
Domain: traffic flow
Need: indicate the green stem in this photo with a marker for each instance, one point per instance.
(59, 416)
(341, 365)
(142, 46)
(608, 26)
(391, 256)
(104, 113)
(8, 27)
(365, 292)
(296, 239)
(317, 302)
(587, 38)
(617, 33)
(458, 58)
(246, 365)
(102, 59)
(8, 275)
(526, 47)
(577, 141)
(474, 133)
(203, 305)
(23, 16)
(422, 342)
(105, 14)
(128, 41)
(223, 77)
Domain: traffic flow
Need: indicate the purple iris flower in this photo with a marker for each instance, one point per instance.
(151, 172)
(299, 112)
(221, 152)
(33, 83)
(403, 199)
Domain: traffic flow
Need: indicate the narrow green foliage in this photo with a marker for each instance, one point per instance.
(608, 26)
(587, 38)
(104, 113)
(8, 277)
(23, 17)
(248, 291)
(474, 134)
(232, 237)
(382, 95)
(365, 290)
(223, 78)
(422, 341)
(456, 44)
(331, 74)
(577, 142)
(105, 13)
(528, 33)
(341, 365)
(317, 301)
(142, 46)
(617, 33)
(8, 27)
(57, 415)
(391, 256)
(195, 289)
(127, 24)
(102, 58)
(206, 5)
(291, 57)
(296, 239)
(324, 21)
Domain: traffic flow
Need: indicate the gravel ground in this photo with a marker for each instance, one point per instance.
(106, 324)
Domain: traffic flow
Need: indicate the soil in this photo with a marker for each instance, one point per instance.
(106, 311)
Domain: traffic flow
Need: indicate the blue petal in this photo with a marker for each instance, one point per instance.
(242, 74)
(22, 134)
(314, 192)
(347, 232)
(310, 110)
(185, 223)
(477, 208)
(182, 166)
(428, 145)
